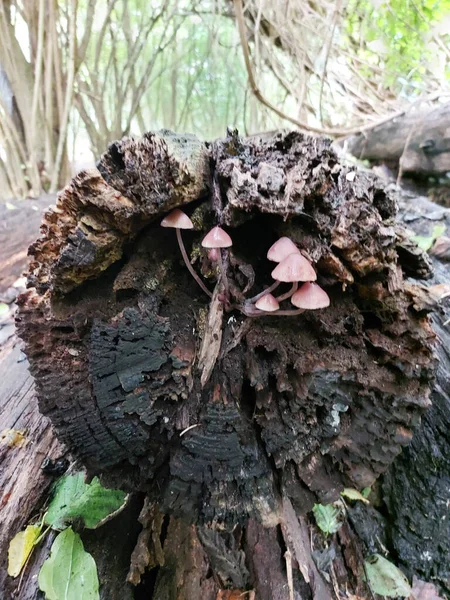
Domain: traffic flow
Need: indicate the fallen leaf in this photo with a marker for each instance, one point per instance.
(14, 438)
(352, 494)
(20, 548)
(74, 499)
(328, 517)
(385, 578)
(366, 492)
(426, 242)
(70, 573)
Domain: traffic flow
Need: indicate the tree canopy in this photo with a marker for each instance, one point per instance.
(87, 72)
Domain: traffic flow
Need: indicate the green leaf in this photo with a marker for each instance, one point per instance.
(89, 502)
(366, 492)
(327, 517)
(70, 573)
(4, 309)
(20, 548)
(385, 578)
(354, 495)
(425, 242)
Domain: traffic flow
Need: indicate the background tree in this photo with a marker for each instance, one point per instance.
(79, 74)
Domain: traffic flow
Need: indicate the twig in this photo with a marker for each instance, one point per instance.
(290, 578)
(189, 428)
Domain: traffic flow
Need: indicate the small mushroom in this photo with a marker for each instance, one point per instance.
(282, 249)
(310, 297)
(267, 303)
(217, 238)
(292, 269)
(178, 220)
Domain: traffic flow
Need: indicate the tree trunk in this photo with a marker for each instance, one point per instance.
(418, 140)
(238, 437)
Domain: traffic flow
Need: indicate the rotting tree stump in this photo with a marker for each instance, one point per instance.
(293, 408)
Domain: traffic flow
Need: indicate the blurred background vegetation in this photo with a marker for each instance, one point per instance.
(77, 74)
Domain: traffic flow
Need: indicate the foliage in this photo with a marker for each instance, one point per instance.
(70, 573)
(385, 578)
(76, 500)
(20, 548)
(352, 494)
(328, 518)
(398, 36)
(426, 242)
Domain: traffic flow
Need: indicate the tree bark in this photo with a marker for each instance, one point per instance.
(293, 408)
(418, 140)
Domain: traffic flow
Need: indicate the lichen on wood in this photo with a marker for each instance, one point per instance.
(292, 406)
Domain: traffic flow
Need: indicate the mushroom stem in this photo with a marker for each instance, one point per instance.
(249, 310)
(276, 313)
(289, 293)
(222, 272)
(268, 290)
(189, 266)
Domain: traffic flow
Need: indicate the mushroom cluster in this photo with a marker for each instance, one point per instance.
(292, 268)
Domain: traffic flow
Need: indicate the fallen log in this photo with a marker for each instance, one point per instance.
(418, 140)
(294, 408)
(415, 488)
(19, 227)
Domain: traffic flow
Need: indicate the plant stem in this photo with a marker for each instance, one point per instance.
(189, 266)
(289, 293)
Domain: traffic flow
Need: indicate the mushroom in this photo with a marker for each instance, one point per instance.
(178, 220)
(292, 269)
(267, 303)
(310, 297)
(281, 249)
(217, 238)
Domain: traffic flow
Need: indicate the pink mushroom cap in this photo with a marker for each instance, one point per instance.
(217, 238)
(267, 303)
(294, 267)
(178, 220)
(282, 249)
(310, 297)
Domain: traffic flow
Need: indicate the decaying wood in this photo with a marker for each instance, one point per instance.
(23, 483)
(297, 409)
(19, 226)
(415, 489)
(420, 139)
